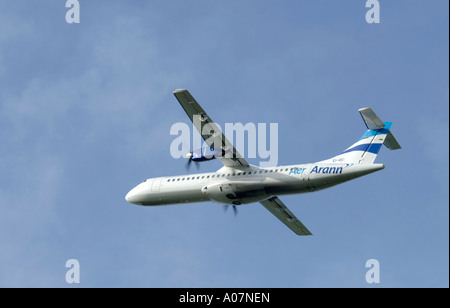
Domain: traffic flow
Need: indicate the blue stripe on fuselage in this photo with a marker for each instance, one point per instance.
(371, 148)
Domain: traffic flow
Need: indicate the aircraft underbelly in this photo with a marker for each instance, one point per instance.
(165, 196)
(287, 187)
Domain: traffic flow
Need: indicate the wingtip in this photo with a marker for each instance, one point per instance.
(179, 91)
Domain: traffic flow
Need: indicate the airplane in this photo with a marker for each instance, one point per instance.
(239, 182)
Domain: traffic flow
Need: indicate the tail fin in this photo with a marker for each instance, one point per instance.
(366, 149)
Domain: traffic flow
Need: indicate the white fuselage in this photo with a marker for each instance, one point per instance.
(245, 185)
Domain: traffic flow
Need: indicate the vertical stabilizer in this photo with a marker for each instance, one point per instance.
(366, 149)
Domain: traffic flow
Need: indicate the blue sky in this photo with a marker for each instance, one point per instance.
(85, 115)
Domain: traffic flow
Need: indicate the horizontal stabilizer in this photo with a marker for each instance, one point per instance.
(371, 119)
(391, 143)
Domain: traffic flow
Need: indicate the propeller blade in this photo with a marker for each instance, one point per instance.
(226, 206)
(190, 157)
(188, 164)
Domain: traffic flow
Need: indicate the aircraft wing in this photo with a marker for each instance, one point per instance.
(209, 130)
(277, 208)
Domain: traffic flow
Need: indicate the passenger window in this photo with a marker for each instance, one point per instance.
(178, 179)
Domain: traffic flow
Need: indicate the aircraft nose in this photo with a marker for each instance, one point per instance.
(132, 197)
(138, 194)
(128, 197)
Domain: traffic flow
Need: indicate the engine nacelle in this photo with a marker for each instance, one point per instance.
(204, 154)
(236, 193)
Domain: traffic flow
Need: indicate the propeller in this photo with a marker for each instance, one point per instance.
(190, 155)
(226, 206)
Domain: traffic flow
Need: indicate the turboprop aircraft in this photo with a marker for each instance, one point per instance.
(238, 182)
